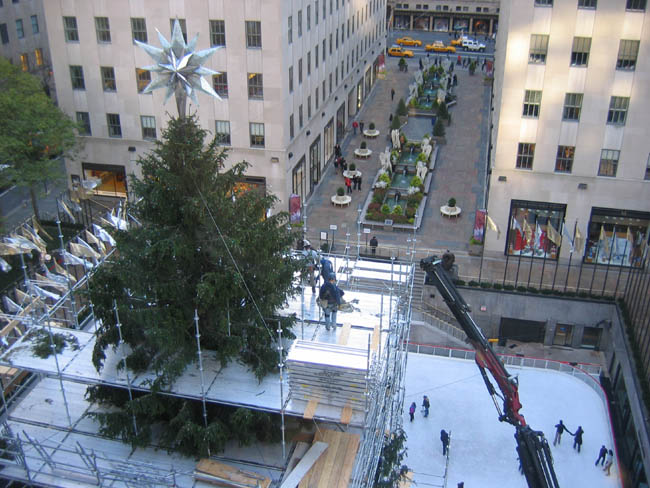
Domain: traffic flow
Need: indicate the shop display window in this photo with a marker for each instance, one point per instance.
(113, 179)
(617, 237)
(534, 229)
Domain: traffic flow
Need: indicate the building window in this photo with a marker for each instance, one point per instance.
(309, 63)
(253, 33)
(20, 31)
(114, 127)
(587, 3)
(83, 124)
(257, 134)
(572, 106)
(538, 49)
(580, 51)
(635, 5)
(290, 79)
(77, 78)
(255, 87)
(617, 237)
(300, 71)
(222, 132)
(143, 78)
(112, 177)
(139, 29)
(324, 91)
(220, 84)
(532, 100)
(308, 107)
(4, 34)
(148, 124)
(563, 334)
(300, 117)
(299, 23)
(316, 13)
(291, 131)
(38, 54)
(316, 101)
(647, 170)
(183, 25)
(316, 56)
(308, 17)
(608, 162)
(617, 110)
(70, 29)
(217, 33)
(102, 27)
(627, 54)
(544, 3)
(564, 159)
(108, 78)
(290, 29)
(35, 29)
(324, 49)
(534, 229)
(525, 155)
(331, 43)
(24, 62)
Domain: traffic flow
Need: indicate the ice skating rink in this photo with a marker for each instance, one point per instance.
(482, 449)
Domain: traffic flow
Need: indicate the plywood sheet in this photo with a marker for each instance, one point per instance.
(333, 469)
(221, 474)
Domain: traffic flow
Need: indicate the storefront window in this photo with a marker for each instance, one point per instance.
(314, 164)
(591, 337)
(440, 25)
(563, 333)
(461, 25)
(402, 21)
(617, 237)
(329, 140)
(112, 179)
(421, 22)
(298, 179)
(535, 229)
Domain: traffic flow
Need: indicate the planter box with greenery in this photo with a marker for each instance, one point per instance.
(364, 145)
(340, 191)
(352, 167)
(371, 126)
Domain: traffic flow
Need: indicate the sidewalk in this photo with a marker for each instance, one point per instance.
(459, 172)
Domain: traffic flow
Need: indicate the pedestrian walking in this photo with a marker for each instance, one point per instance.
(355, 124)
(361, 124)
(559, 429)
(344, 165)
(348, 184)
(330, 299)
(444, 438)
(609, 460)
(373, 245)
(577, 441)
(425, 405)
(461, 485)
(390, 118)
(337, 150)
(392, 94)
(412, 411)
(458, 60)
(421, 65)
(455, 80)
(601, 456)
(359, 182)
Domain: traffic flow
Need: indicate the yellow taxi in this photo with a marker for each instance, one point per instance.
(408, 41)
(439, 47)
(398, 51)
(458, 41)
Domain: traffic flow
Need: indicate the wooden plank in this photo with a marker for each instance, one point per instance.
(6, 370)
(345, 333)
(309, 459)
(406, 481)
(348, 462)
(311, 409)
(339, 460)
(374, 342)
(328, 461)
(346, 414)
(224, 475)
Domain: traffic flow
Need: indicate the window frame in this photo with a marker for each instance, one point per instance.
(636, 5)
(114, 129)
(20, 29)
(217, 32)
(137, 32)
(538, 49)
(222, 138)
(145, 128)
(290, 29)
(564, 159)
(608, 164)
(628, 54)
(255, 83)
(70, 32)
(83, 121)
(525, 156)
(183, 25)
(290, 75)
(573, 108)
(532, 104)
(109, 82)
(103, 32)
(253, 30)
(257, 139)
(580, 50)
(4, 33)
(590, 4)
(35, 27)
(77, 79)
(220, 83)
(617, 113)
(139, 80)
(543, 3)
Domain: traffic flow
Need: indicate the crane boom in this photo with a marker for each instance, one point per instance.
(532, 447)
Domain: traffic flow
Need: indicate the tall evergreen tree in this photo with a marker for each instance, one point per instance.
(204, 244)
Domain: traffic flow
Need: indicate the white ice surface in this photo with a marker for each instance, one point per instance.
(482, 451)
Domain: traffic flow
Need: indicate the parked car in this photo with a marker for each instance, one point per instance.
(400, 52)
(472, 45)
(408, 41)
(439, 47)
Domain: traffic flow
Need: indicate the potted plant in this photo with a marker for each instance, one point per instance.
(371, 126)
(451, 203)
(340, 191)
(475, 247)
(401, 108)
(352, 167)
(395, 124)
(439, 129)
(364, 145)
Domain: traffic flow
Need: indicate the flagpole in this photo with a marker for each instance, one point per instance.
(620, 269)
(575, 227)
(596, 265)
(557, 255)
(609, 261)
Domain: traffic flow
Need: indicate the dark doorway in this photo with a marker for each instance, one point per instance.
(521, 330)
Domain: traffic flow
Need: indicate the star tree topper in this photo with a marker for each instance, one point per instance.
(179, 68)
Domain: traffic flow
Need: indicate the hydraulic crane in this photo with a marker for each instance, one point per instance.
(532, 447)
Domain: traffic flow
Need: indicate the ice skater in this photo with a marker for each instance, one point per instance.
(412, 411)
(609, 460)
(577, 441)
(444, 438)
(425, 405)
(559, 429)
(602, 454)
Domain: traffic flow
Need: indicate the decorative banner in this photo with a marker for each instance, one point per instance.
(294, 208)
(479, 225)
(489, 68)
(493, 226)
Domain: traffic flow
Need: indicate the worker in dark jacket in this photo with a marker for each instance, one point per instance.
(601, 456)
(577, 441)
(330, 297)
(559, 429)
(444, 437)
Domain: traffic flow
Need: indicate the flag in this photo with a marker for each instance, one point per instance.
(40, 229)
(578, 242)
(90, 237)
(40, 292)
(493, 226)
(10, 305)
(93, 253)
(5, 266)
(603, 238)
(64, 208)
(565, 233)
(82, 251)
(538, 236)
(60, 270)
(614, 247)
(103, 235)
(528, 231)
(552, 234)
(516, 225)
(9, 249)
(45, 281)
